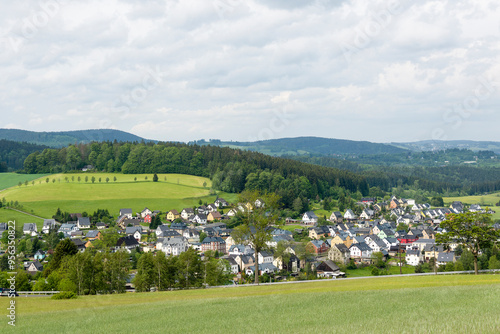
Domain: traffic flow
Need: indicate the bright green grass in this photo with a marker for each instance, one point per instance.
(442, 304)
(8, 180)
(177, 192)
(20, 218)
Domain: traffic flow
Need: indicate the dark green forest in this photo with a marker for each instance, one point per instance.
(13, 154)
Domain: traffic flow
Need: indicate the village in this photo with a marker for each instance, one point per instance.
(321, 248)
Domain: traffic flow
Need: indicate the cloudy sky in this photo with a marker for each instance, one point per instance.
(253, 69)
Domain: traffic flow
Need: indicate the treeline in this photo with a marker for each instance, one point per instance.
(13, 154)
(185, 271)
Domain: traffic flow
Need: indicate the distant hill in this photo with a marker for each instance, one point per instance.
(315, 146)
(64, 138)
(438, 145)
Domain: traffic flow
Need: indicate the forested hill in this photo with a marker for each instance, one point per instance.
(231, 170)
(64, 138)
(309, 145)
(13, 154)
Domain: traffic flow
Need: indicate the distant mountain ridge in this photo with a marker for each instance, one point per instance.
(316, 146)
(439, 145)
(64, 138)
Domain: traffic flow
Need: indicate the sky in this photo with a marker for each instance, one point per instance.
(246, 70)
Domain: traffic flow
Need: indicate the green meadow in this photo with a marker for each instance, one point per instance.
(8, 180)
(66, 192)
(20, 218)
(422, 304)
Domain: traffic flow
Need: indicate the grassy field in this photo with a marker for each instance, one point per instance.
(484, 200)
(177, 192)
(20, 218)
(8, 180)
(435, 304)
(367, 271)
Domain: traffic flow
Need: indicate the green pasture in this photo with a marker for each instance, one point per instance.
(8, 180)
(20, 218)
(66, 192)
(435, 304)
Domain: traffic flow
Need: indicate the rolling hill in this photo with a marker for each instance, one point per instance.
(64, 138)
(310, 145)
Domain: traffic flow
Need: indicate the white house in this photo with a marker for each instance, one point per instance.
(47, 225)
(83, 222)
(349, 215)
(413, 257)
(172, 245)
(146, 212)
(360, 251)
(30, 229)
(309, 218)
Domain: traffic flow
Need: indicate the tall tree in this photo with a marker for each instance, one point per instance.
(257, 220)
(471, 230)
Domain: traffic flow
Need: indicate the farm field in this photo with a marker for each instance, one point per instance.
(8, 180)
(20, 218)
(484, 200)
(468, 303)
(177, 192)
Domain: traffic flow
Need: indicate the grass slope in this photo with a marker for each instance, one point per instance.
(177, 192)
(20, 218)
(430, 304)
(8, 180)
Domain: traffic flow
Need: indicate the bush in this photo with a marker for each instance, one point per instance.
(375, 271)
(65, 295)
(419, 269)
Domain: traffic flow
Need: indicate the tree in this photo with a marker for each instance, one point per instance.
(93, 179)
(437, 201)
(256, 228)
(114, 179)
(472, 230)
(64, 248)
(155, 178)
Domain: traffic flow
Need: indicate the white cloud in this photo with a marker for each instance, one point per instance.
(227, 71)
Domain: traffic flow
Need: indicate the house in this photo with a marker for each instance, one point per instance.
(317, 247)
(200, 218)
(343, 238)
(232, 213)
(244, 261)
(211, 208)
(3, 228)
(221, 203)
(40, 255)
(328, 269)
(336, 217)
(173, 215)
(444, 258)
(214, 244)
(34, 267)
(135, 231)
(361, 252)
(93, 235)
(369, 200)
(179, 227)
(349, 215)
(147, 219)
(127, 243)
(264, 268)
(339, 253)
(186, 213)
(30, 229)
(265, 257)
(259, 203)
(413, 256)
(192, 235)
(172, 245)
(475, 208)
(126, 212)
(80, 245)
(202, 209)
(367, 214)
(318, 232)
(457, 207)
(83, 222)
(293, 264)
(235, 268)
(67, 228)
(48, 224)
(146, 212)
(309, 218)
(214, 215)
(100, 226)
